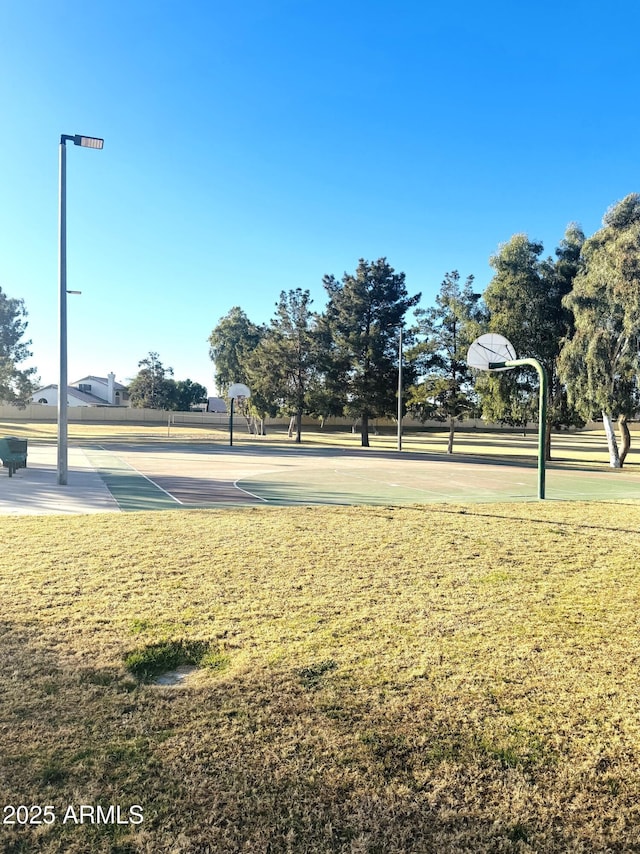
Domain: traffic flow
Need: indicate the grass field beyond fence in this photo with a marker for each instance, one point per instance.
(574, 448)
(430, 679)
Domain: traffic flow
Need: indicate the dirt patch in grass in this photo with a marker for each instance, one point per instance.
(379, 679)
(148, 662)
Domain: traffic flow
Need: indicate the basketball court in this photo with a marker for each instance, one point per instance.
(175, 475)
(162, 474)
(149, 473)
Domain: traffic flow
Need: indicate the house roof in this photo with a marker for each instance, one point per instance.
(103, 380)
(216, 404)
(73, 392)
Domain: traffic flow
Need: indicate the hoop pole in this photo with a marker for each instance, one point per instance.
(231, 424)
(542, 411)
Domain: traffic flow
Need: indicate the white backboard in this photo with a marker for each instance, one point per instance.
(490, 348)
(238, 390)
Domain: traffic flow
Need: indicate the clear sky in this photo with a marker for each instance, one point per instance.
(251, 146)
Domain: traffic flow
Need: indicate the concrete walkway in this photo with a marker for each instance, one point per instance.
(35, 490)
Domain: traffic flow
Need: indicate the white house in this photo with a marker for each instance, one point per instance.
(88, 391)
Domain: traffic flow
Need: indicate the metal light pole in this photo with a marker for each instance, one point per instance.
(400, 391)
(85, 142)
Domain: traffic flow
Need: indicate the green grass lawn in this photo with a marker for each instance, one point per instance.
(430, 679)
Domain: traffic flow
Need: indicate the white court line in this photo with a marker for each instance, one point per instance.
(173, 497)
(152, 482)
(256, 474)
(252, 494)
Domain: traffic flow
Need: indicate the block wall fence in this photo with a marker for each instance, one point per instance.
(129, 415)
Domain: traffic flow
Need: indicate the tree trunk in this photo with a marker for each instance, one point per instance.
(364, 431)
(614, 456)
(452, 428)
(292, 422)
(625, 438)
(298, 427)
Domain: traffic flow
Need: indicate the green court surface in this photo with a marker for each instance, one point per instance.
(130, 489)
(173, 474)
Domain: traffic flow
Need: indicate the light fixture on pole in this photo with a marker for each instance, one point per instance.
(85, 142)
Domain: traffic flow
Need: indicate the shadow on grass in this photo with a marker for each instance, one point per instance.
(297, 759)
(548, 522)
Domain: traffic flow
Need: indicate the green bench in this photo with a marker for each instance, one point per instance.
(13, 453)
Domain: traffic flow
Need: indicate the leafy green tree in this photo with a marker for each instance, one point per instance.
(515, 300)
(524, 300)
(599, 362)
(231, 345)
(16, 385)
(186, 394)
(447, 329)
(559, 276)
(283, 364)
(509, 397)
(152, 387)
(364, 314)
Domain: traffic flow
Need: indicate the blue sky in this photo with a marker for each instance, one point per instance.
(253, 146)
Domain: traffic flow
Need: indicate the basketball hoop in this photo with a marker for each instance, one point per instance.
(489, 349)
(239, 392)
(493, 352)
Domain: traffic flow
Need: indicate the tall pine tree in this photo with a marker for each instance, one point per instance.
(364, 315)
(283, 365)
(447, 329)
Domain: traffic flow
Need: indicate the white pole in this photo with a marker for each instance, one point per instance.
(400, 392)
(62, 276)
